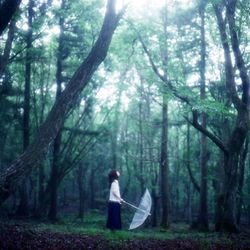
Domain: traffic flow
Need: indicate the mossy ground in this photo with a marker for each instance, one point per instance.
(90, 233)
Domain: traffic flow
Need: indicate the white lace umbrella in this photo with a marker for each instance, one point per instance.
(142, 211)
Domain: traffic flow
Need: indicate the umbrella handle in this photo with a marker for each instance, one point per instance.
(135, 207)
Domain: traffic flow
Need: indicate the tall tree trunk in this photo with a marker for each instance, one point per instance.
(218, 186)
(202, 220)
(203, 216)
(189, 201)
(164, 171)
(164, 167)
(92, 190)
(23, 208)
(52, 215)
(155, 207)
(176, 183)
(153, 170)
(248, 192)
(114, 134)
(228, 220)
(141, 146)
(61, 108)
(28, 62)
(188, 164)
(227, 203)
(81, 175)
(127, 162)
(238, 136)
(228, 199)
(241, 176)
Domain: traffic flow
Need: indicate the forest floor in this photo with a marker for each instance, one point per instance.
(34, 235)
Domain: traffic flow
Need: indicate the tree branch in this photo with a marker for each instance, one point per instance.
(206, 132)
(194, 123)
(162, 77)
(230, 81)
(196, 186)
(230, 13)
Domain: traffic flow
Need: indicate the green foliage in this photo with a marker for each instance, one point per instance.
(117, 122)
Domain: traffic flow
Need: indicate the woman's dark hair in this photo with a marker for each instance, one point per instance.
(112, 176)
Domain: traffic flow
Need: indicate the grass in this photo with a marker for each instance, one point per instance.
(118, 237)
(94, 224)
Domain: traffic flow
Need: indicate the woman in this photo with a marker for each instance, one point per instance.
(115, 200)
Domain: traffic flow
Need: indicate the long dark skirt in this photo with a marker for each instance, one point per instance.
(114, 216)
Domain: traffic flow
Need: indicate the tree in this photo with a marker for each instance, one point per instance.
(235, 141)
(232, 145)
(202, 222)
(52, 215)
(164, 161)
(7, 10)
(63, 105)
(23, 208)
(164, 169)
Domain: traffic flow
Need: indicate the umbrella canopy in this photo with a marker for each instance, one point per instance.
(143, 211)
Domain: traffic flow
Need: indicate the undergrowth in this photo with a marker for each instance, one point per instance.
(94, 224)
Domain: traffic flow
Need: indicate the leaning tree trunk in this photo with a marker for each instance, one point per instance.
(7, 49)
(63, 105)
(7, 11)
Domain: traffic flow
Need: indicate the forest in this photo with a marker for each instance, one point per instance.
(158, 90)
